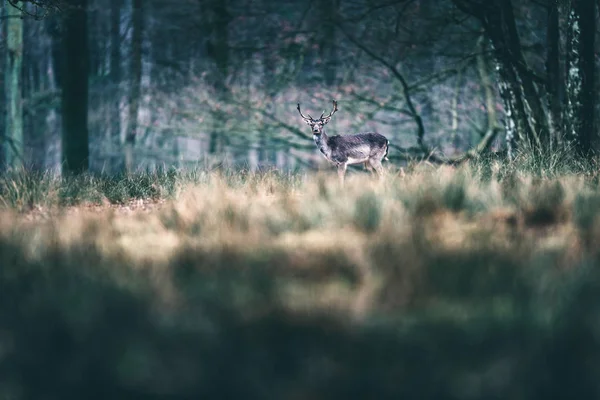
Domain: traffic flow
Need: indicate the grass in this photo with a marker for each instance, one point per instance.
(448, 283)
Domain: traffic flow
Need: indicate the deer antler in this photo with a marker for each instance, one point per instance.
(332, 111)
(305, 118)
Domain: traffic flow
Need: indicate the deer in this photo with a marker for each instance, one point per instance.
(362, 148)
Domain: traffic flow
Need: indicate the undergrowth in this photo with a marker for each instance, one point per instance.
(23, 190)
(473, 282)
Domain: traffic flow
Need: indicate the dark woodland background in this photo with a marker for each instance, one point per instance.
(449, 283)
(137, 84)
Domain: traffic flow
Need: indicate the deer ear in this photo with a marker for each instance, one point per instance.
(325, 120)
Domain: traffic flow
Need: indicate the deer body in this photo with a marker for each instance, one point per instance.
(363, 148)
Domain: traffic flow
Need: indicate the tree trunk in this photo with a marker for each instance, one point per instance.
(213, 142)
(56, 48)
(553, 75)
(136, 81)
(115, 71)
(95, 42)
(13, 138)
(526, 118)
(483, 69)
(526, 110)
(454, 139)
(328, 41)
(220, 46)
(74, 95)
(35, 82)
(515, 124)
(269, 54)
(219, 52)
(579, 115)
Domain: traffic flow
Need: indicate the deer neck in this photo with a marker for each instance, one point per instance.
(321, 142)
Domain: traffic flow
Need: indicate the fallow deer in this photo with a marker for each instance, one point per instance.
(363, 148)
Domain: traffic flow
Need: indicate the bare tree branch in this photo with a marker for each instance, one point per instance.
(396, 73)
(484, 143)
(40, 8)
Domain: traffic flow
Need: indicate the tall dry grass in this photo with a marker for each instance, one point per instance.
(447, 283)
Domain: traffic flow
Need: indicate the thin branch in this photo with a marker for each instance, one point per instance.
(374, 8)
(42, 8)
(3, 17)
(385, 106)
(295, 131)
(483, 144)
(304, 14)
(398, 75)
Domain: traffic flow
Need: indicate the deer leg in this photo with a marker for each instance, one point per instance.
(341, 172)
(376, 164)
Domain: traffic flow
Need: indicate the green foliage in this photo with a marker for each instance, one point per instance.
(549, 163)
(586, 208)
(367, 212)
(24, 190)
(454, 194)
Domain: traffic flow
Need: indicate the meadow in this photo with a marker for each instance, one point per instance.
(471, 282)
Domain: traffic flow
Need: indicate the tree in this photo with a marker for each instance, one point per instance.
(554, 78)
(136, 81)
(115, 68)
(13, 137)
(327, 41)
(74, 95)
(579, 122)
(526, 118)
(218, 50)
(218, 46)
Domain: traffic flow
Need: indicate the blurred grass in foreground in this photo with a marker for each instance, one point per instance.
(472, 283)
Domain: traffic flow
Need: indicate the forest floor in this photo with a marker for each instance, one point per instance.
(457, 279)
(40, 213)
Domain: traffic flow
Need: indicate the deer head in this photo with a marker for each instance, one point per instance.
(316, 125)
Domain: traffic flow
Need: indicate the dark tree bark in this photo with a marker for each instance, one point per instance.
(218, 50)
(579, 115)
(95, 41)
(327, 44)
(270, 53)
(526, 119)
(213, 142)
(74, 95)
(35, 82)
(56, 49)
(136, 81)
(515, 118)
(115, 69)
(528, 113)
(554, 79)
(483, 69)
(13, 128)
(219, 46)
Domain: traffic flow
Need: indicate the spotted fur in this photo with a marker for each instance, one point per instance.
(363, 148)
